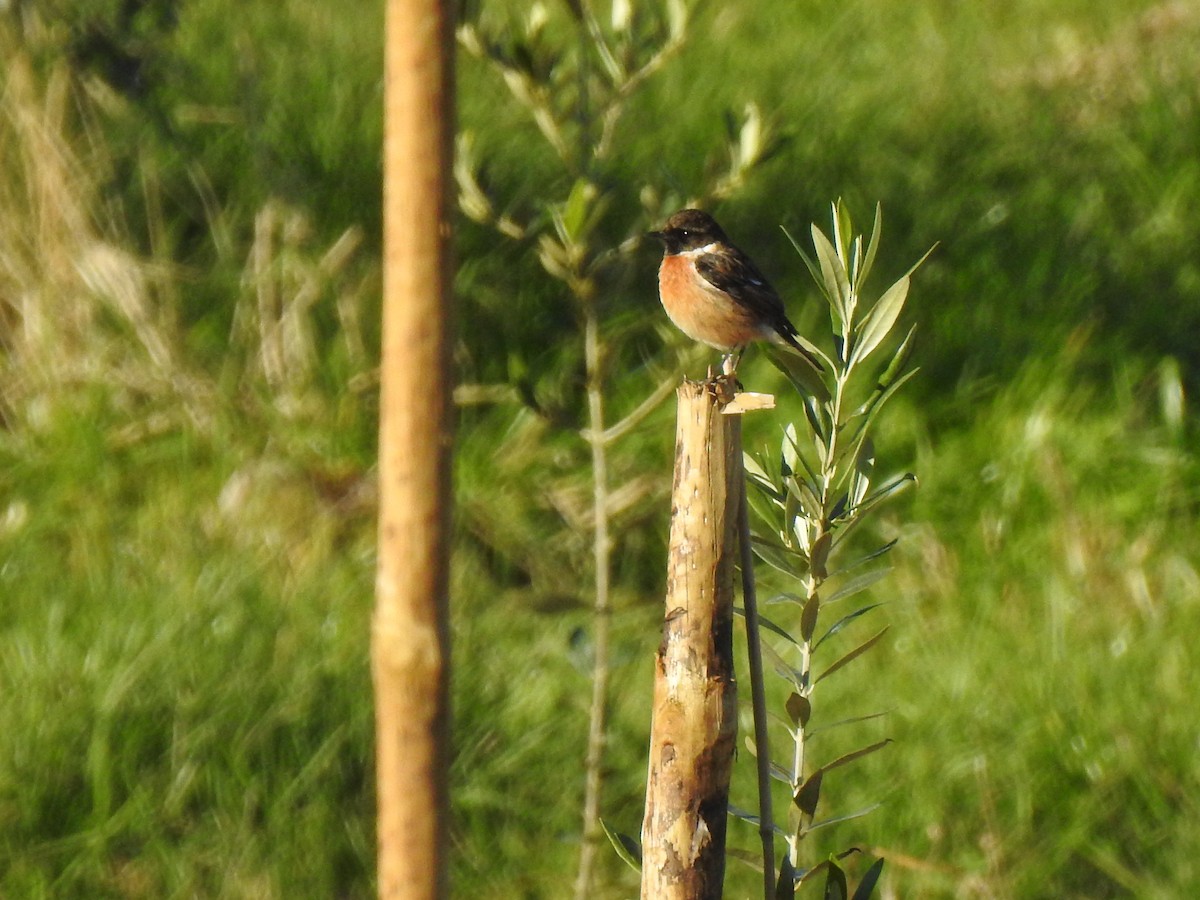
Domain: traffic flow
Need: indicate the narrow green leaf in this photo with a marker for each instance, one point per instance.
(786, 597)
(627, 848)
(787, 562)
(860, 483)
(864, 458)
(764, 497)
(802, 530)
(899, 358)
(781, 774)
(894, 486)
(858, 583)
(843, 622)
(842, 229)
(575, 208)
(853, 654)
(831, 859)
(766, 480)
(866, 887)
(855, 259)
(820, 554)
(879, 321)
(862, 453)
(820, 867)
(847, 527)
(788, 451)
(835, 884)
(872, 247)
(921, 261)
(839, 506)
(798, 709)
(770, 540)
(884, 386)
(813, 269)
(791, 504)
(799, 371)
(789, 674)
(805, 496)
(746, 816)
(822, 451)
(853, 720)
(767, 624)
(808, 617)
(872, 408)
(764, 504)
(789, 434)
(766, 459)
(785, 887)
(816, 351)
(809, 793)
(754, 469)
(870, 557)
(888, 393)
(833, 275)
(855, 754)
(857, 814)
(817, 424)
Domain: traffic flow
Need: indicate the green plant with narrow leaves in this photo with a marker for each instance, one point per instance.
(823, 485)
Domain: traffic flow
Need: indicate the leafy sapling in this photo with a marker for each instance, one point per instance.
(808, 501)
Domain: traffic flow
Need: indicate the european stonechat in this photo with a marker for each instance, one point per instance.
(715, 294)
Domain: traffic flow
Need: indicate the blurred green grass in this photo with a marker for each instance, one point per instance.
(186, 546)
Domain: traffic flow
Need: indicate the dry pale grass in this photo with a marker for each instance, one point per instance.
(76, 307)
(80, 309)
(84, 315)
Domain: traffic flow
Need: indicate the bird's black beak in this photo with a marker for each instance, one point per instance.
(656, 234)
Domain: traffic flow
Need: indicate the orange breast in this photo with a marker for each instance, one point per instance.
(701, 311)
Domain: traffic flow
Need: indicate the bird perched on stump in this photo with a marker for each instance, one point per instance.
(715, 294)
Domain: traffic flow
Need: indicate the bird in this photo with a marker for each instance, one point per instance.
(715, 294)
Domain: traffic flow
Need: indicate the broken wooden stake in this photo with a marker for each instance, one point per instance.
(695, 696)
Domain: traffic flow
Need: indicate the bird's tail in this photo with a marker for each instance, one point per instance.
(793, 342)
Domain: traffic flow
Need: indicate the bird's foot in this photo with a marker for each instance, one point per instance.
(729, 362)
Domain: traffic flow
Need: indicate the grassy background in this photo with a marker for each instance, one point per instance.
(186, 503)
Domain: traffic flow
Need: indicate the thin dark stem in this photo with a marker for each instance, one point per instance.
(766, 820)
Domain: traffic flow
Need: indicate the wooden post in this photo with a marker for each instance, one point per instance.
(409, 635)
(695, 698)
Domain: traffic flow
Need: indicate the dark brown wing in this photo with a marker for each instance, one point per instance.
(733, 272)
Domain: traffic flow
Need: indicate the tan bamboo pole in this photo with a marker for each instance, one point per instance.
(409, 636)
(695, 698)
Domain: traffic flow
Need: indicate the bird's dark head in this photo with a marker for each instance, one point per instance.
(689, 229)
